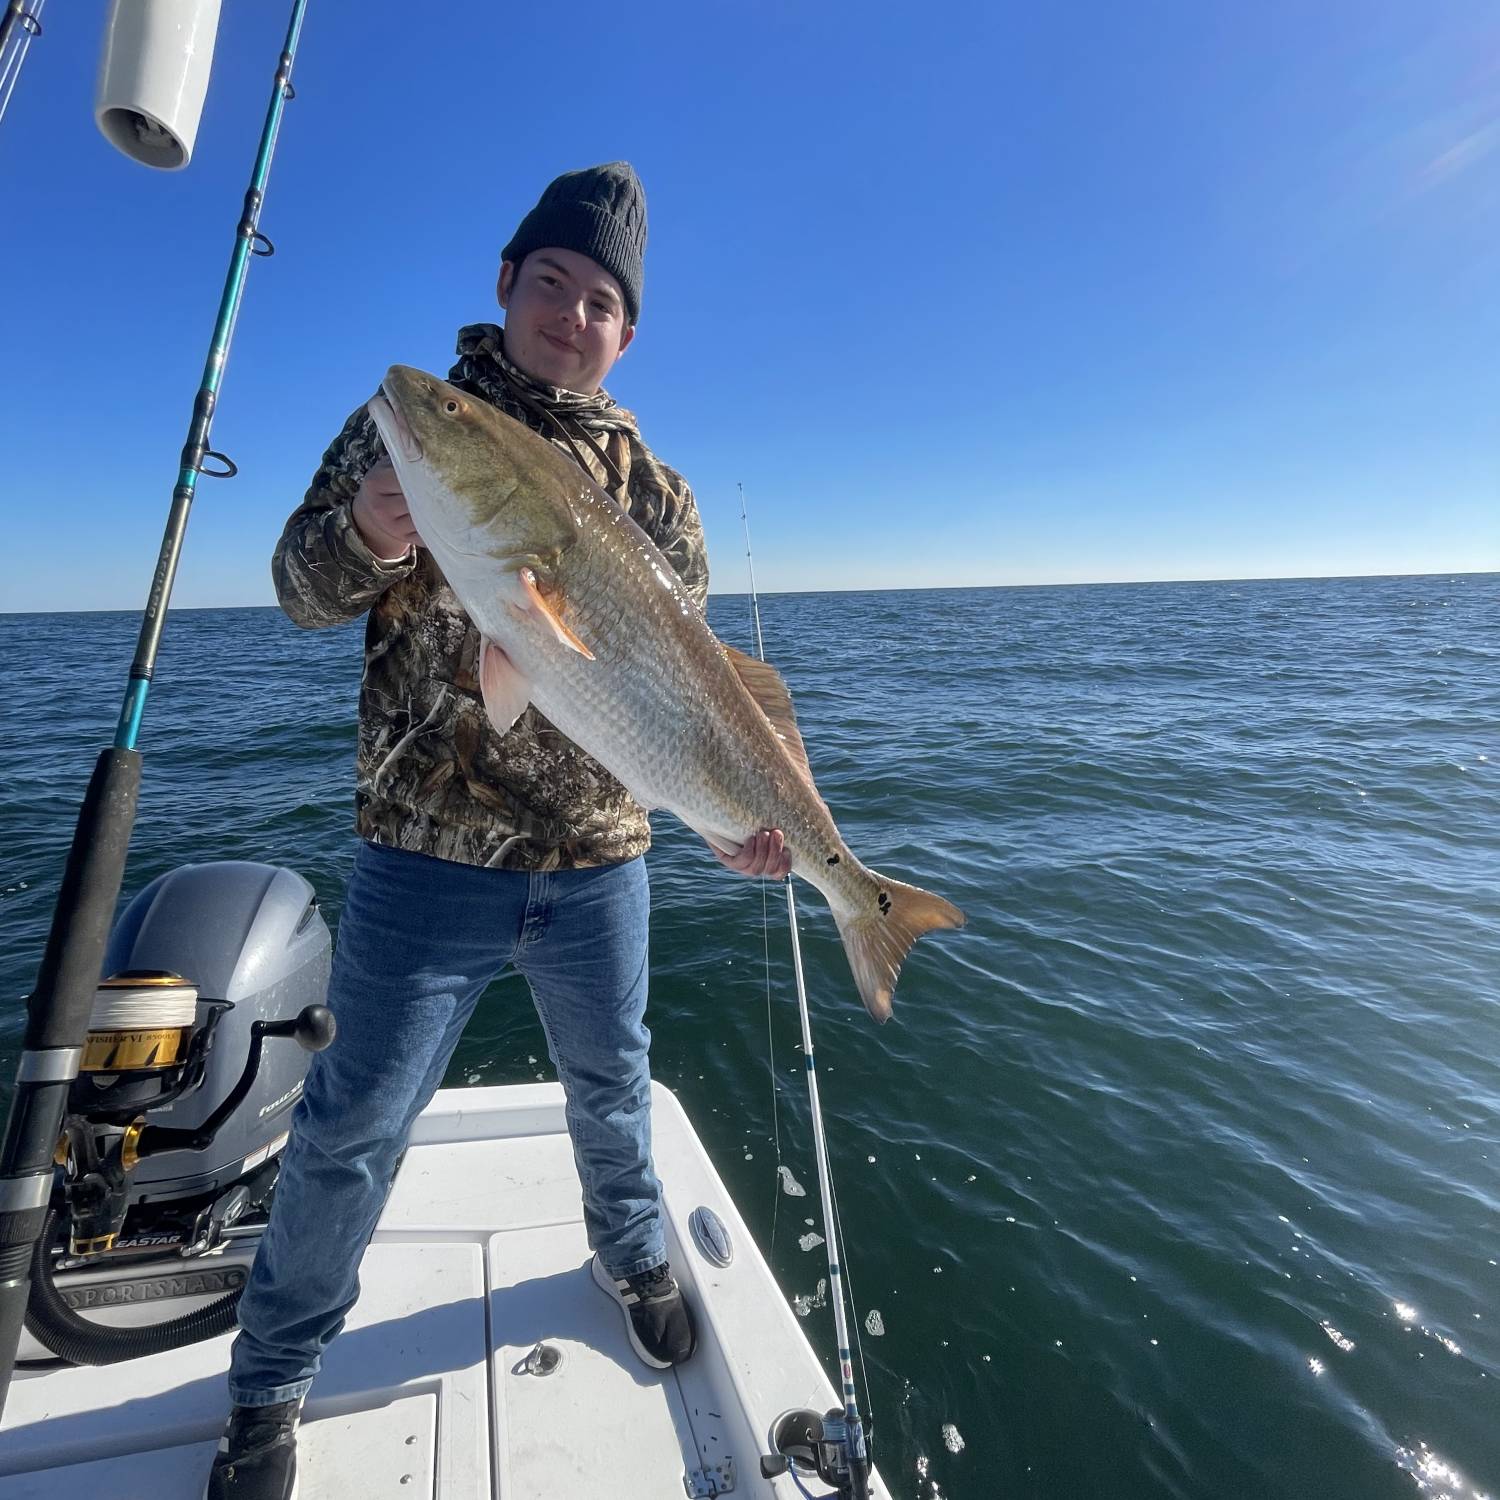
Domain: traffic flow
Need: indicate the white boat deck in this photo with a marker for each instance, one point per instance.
(479, 1256)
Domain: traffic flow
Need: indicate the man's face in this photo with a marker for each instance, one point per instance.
(564, 319)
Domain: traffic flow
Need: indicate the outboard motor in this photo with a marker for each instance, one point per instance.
(177, 1118)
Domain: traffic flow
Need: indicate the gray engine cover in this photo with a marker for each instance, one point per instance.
(250, 934)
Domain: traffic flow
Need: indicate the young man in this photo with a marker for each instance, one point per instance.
(480, 852)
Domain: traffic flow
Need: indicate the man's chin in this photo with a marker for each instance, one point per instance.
(550, 365)
(559, 374)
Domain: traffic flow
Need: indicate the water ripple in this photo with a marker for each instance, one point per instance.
(1207, 1081)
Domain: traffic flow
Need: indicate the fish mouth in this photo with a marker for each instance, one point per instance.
(386, 410)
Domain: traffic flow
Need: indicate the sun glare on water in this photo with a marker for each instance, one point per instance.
(1435, 1477)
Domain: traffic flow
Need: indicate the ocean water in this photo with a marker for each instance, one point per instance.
(1176, 1173)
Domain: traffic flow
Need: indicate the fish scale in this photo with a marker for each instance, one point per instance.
(633, 613)
(598, 632)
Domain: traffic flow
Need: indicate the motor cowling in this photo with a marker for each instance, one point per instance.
(183, 1100)
(249, 938)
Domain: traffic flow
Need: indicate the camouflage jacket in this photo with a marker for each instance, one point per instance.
(431, 773)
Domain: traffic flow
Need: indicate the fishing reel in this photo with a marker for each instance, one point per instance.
(144, 1049)
(806, 1443)
(149, 1044)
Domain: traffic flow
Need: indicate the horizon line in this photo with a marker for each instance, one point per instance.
(927, 588)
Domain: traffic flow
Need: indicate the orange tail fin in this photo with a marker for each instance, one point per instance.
(878, 940)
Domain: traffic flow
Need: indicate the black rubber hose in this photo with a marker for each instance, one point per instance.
(51, 1321)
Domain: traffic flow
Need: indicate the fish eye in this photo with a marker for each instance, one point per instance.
(450, 407)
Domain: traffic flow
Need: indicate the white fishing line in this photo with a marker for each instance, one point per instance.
(151, 1007)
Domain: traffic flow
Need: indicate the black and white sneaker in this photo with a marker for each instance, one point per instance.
(257, 1457)
(656, 1316)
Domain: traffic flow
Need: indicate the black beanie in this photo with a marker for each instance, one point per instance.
(599, 212)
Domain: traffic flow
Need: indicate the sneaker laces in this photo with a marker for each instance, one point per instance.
(657, 1282)
(254, 1429)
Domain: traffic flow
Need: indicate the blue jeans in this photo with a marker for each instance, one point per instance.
(419, 941)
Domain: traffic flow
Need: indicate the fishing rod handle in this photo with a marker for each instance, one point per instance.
(58, 1009)
(58, 1014)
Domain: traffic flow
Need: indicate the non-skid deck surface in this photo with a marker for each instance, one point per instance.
(479, 1256)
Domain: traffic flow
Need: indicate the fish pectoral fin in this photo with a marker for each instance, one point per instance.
(506, 693)
(534, 602)
(767, 686)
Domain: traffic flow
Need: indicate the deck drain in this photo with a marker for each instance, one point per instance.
(544, 1359)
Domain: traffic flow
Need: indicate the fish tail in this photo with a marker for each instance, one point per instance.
(879, 930)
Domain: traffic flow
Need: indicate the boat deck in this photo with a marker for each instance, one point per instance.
(479, 1256)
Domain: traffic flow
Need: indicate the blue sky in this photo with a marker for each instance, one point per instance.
(963, 295)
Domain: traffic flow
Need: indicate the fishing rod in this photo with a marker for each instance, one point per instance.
(21, 22)
(833, 1445)
(58, 1010)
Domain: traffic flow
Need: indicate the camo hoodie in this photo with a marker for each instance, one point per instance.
(431, 773)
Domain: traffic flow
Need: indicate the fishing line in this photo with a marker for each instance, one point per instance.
(765, 938)
(765, 920)
(760, 645)
(855, 1432)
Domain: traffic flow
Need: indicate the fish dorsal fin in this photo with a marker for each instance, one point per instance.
(766, 685)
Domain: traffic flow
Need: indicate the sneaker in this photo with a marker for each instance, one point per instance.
(656, 1316)
(257, 1458)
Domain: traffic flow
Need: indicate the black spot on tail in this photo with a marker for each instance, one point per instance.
(885, 903)
(833, 859)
